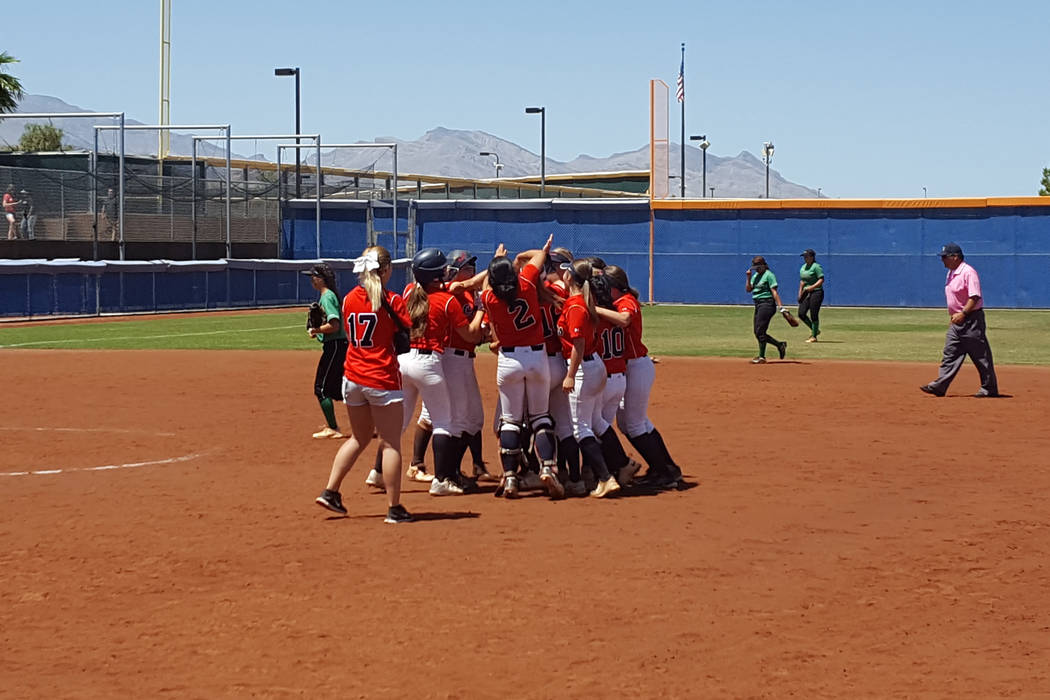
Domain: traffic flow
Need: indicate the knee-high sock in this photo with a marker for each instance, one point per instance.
(674, 468)
(650, 451)
(443, 456)
(474, 443)
(592, 457)
(569, 457)
(328, 409)
(612, 450)
(420, 440)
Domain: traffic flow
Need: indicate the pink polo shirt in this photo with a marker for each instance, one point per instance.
(961, 284)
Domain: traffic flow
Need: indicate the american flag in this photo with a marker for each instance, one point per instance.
(681, 82)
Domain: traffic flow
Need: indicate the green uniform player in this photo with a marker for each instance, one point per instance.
(810, 293)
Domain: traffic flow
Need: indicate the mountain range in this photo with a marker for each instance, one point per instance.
(442, 152)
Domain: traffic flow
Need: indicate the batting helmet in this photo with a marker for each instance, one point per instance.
(428, 265)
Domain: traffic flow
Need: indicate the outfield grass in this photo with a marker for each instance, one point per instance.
(907, 335)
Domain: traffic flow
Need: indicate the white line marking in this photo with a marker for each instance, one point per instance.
(88, 430)
(145, 337)
(105, 467)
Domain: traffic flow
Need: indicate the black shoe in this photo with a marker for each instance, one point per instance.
(466, 483)
(397, 514)
(332, 501)
(927, 389)
(782, 348)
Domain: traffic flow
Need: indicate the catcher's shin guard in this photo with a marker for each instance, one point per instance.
(509, 447)
(544, 442)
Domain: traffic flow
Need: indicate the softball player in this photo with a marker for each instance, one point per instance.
(585, 377)
(611, 348)
(632, 418)
(810, 293)
(763, 289)
(329, 376)
(436, 315)
(558, 402)
(523, 376)
(371, 381)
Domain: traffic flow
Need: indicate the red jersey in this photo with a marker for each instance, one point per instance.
(445, 315)
(611, 346)
(549, 316)
(465, 301)
(370, 359)
(517, 323)
(9, 203)
(574, 323)
(633, 347)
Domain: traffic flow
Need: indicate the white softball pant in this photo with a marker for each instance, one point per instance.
(612, 400)
(468, 415)
(558, 400)
(633, 417)
(423, 376)
(523, 379)
(586, 397)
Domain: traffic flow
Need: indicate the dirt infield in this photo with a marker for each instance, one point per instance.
(849, 537)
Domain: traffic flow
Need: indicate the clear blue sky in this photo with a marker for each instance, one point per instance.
(862, 99)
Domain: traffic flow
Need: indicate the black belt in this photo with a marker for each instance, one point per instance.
(462, 353)
(588, 358)
(554, 354)
(423, 351)
(512, 348)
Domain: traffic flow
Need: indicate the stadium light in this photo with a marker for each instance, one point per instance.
(704, 144)
(280, 72)
(542, 111)
(767, 152)
(493, 153)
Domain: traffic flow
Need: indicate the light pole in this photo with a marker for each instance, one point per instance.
(298, 129)
(496, 155)
(542, 111)
(704, 144)
(767, 151)
(818, 192)
(712, 193)
(924, 193)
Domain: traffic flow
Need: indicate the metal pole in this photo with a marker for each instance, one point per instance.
(683, 120)
(703, 190)
(94, 199)
(193, 201)
(317, 180)
(767, 174)
(229, 252)
(280, 205)
(121, 175)
(298, 130)
(395, 203)
(543, 153)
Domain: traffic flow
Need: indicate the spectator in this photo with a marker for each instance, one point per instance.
(9, 204)
(110, 214)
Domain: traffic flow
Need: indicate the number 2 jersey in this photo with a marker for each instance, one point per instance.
(517, 323)
(370, 359)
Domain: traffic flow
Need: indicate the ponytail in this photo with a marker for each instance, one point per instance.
(418, 304)
(503, 279)
(618, 277)
(581, 277)
(372, 280)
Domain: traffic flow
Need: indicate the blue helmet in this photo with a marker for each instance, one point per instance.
(428, 265)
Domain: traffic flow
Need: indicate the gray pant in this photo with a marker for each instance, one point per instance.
(967, 339)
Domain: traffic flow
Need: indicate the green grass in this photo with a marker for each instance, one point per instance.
(907, 335)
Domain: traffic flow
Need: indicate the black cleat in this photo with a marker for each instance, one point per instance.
(332, 501)
(397, 514)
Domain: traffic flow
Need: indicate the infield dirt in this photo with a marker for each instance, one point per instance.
(848, 536)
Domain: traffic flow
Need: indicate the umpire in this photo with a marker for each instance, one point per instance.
(966, 331)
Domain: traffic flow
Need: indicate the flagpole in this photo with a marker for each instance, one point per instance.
(682, 88)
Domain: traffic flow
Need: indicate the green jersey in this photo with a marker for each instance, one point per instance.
(809, 274)
(762, 286)
(330, 305)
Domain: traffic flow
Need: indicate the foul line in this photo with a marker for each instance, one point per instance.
(88, 430)
(146, 337)
(106, 467)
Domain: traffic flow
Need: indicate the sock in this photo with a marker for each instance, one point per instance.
(474, 443)
(443, 456)
(569, 457)
(592, 457)
(650, 451)
(329, 413)
(378, 466)
(612, 450)
(667, 455)
(420, 440)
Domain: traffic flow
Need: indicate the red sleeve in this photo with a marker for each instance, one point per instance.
(398, 305)
(574, 320)
(454, 311)
(531, 273)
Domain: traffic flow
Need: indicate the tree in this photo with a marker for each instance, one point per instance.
(40, 137)
(1044, 191)
(10, 87)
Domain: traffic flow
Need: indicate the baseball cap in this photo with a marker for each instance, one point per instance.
(808, 251)
(318, 270)
(951, 249)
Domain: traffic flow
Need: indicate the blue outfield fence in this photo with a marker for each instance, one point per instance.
(873, 255)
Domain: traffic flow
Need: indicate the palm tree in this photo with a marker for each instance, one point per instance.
(10, 86)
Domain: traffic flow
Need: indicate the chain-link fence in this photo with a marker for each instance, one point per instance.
(67, 205)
